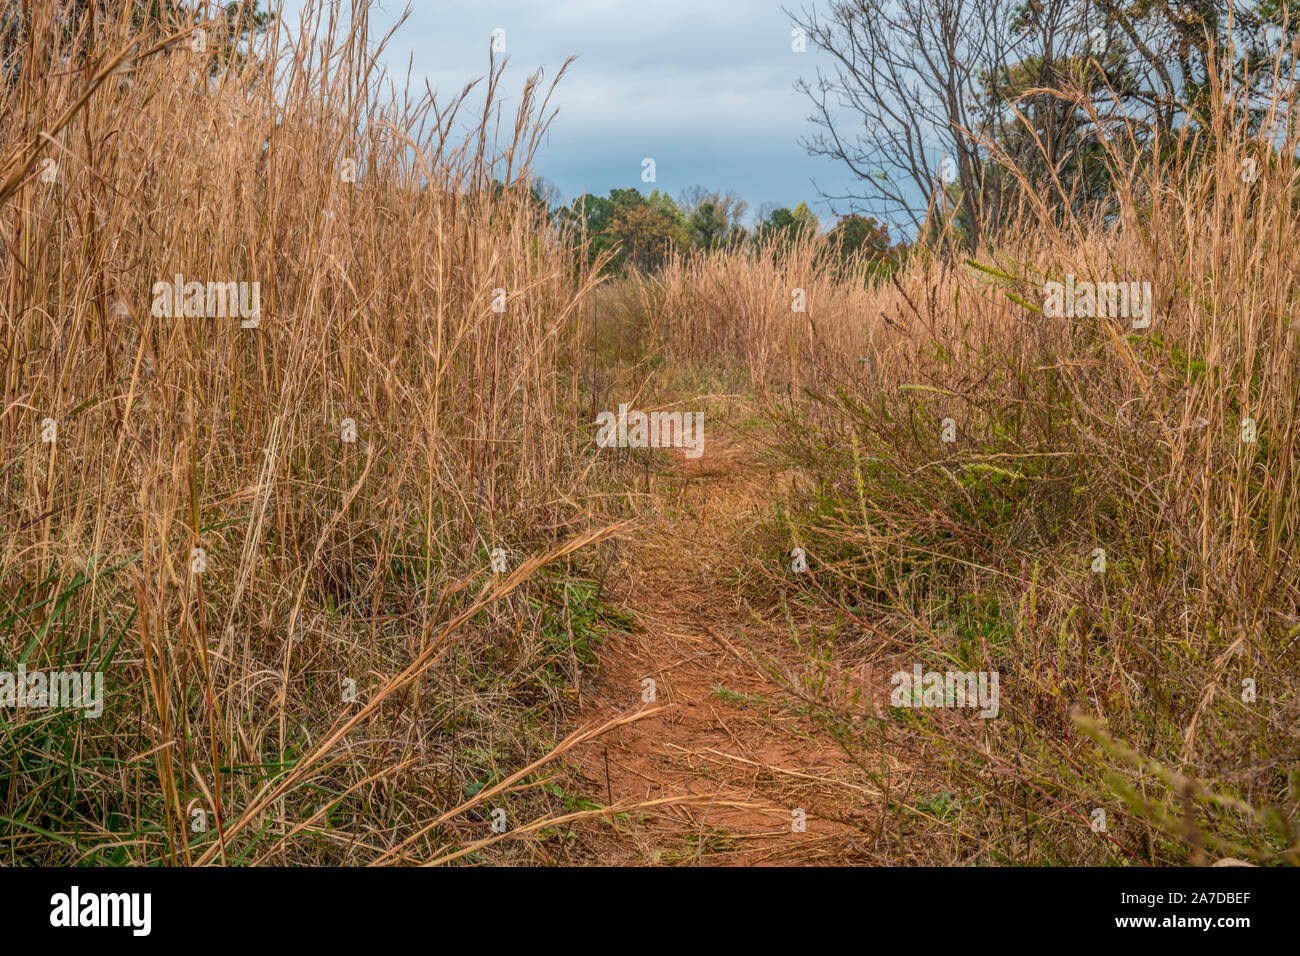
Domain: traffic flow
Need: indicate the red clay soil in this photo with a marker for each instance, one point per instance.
(724, 738)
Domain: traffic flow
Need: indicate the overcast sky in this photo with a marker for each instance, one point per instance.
(704, 87)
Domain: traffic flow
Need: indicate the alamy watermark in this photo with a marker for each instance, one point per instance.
(41, 690)
(75, 909)
(1114, 300)
(654, 430)
(946, 689)
(212, 300)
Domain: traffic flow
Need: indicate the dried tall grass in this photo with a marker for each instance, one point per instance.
(327, 561)
(769, 308)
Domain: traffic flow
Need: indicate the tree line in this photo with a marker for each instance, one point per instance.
(634, 230)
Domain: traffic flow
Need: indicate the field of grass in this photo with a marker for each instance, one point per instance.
(342, 561)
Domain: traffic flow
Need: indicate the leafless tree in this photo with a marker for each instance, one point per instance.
(728, 206)
(905, 98)
(920, 87)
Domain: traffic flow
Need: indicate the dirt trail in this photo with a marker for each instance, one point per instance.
(721, 734)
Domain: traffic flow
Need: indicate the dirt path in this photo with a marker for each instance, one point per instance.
(723, 733)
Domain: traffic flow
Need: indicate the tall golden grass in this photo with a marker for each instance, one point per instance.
(769, 309)
(336, 678)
